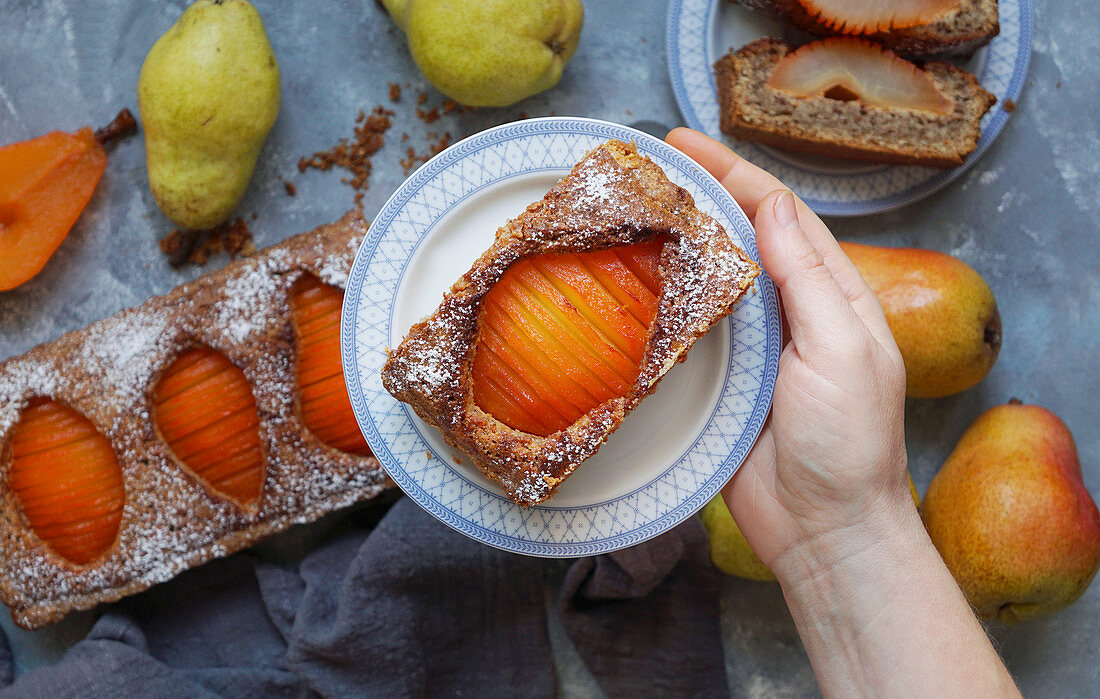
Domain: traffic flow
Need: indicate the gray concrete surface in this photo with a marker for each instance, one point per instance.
(1025, 217)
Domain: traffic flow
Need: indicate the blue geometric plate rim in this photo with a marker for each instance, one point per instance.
(366, 390)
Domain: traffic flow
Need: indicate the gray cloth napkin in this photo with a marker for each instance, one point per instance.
(409, 608)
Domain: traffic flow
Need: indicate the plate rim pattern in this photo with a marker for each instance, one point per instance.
(576, 127)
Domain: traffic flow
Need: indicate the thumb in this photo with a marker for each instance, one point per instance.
(817, 310)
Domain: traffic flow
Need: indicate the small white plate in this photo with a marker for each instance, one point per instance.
(699, 32)
(671, 455)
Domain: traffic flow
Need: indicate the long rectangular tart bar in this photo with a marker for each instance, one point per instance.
(171, 518)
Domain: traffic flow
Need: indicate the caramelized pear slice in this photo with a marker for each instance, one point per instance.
(849, 68)
(326, 407)
(207, 414)
(869, 16)
(66, 479)
(562, 333)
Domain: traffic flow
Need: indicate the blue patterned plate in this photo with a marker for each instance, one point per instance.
(699, 32)
(672, 454)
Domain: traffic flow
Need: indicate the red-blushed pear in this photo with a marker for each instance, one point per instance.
(1011, 516)
(942, 313)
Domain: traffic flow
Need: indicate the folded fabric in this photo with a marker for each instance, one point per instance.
(410, 608)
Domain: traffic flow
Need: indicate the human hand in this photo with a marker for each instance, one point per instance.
(831, 458)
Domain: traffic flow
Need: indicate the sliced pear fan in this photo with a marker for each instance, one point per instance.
(849, 68)
(869, 16)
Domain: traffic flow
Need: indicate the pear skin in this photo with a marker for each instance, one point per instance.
(941, 312)
(490, 53)
(208, 93)
(1011, 516)
(730, 550)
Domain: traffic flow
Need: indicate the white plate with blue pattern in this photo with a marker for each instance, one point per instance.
(671, 455)
(699, 32)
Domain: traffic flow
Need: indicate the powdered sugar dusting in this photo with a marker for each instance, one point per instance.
(170, 520)
(247, 306)
(26, 377)
(122, 351)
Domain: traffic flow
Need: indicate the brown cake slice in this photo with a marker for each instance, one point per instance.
(835, 120)
(179, 431)
(572, 316)
(958, 32)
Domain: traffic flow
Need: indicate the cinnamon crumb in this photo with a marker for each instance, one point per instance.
(412, 159)
(422, 98)
(395, 92)
(428, 116)
(449, 106)
(291, 190)
(1009, 105)
(404, 137)
(354, 154)
(196, 247)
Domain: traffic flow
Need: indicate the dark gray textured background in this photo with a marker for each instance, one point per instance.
(1025, 217)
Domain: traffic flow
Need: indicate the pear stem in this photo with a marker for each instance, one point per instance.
(123, 124)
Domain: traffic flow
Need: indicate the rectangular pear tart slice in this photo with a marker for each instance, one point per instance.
(572, 316)
(179, 431)
(847, 97)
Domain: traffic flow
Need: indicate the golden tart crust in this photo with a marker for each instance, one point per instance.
(614, 196)
(171, 520)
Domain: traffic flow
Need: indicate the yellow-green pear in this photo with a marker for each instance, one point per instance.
(490, 53)
(729, 549)
(941, 312)
(208, 93)
(1011, 516)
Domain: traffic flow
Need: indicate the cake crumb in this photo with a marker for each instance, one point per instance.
(354, 153)
(437, 144)
(291, 190)
(428, 116)
(196, 247)
(429, 454)
(1009, 105)
(422, 98)
(395, 92)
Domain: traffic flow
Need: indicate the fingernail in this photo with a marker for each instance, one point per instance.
(785, 211)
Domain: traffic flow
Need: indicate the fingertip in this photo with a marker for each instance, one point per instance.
(677, 134)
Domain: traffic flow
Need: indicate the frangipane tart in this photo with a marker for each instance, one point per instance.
(558, 330)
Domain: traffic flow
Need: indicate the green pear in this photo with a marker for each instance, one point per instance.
(941, 312)
(1011, 516)
(490, 53)
(208, 93)
(730, 550)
